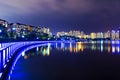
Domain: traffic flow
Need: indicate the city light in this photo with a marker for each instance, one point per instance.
(23, 36)
(14, 36)
(13, 28)
(0, 30)
(21, 31)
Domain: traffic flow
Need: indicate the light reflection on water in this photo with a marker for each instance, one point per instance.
(101, 46)
(101, 59)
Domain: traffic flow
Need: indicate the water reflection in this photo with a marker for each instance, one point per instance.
(94, 45)
(110, 47)
(118, 49)
(70, 48)
(113, 48)
(44, 50)
(78, 47)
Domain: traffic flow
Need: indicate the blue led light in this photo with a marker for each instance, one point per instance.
(1, 74)
(23, 53)
(13, 28)
(113, 42)
(23, 36)
(14, 65)
(118, 49)
(0, 30)
(117, 42)
(3, 57)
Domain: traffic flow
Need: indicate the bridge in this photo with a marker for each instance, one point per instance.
(10, 53)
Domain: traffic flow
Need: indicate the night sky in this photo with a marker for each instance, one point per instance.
(64, 15)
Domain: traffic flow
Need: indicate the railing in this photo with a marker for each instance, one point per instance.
(7, 50)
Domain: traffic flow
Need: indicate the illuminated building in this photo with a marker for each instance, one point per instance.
(3, 32)
(61, 33)
(77, 34)
(71, 33)
(3, 23)
(39, 29)
(113, 36)
(3, 28)
(82, 34)
(93, 35)
(117, 35)
(19, 30)
(107, 34)
(45, 30)
(99, 35)
(86, 36)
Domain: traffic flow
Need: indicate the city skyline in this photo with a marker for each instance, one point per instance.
(6, 23)
(64, 15)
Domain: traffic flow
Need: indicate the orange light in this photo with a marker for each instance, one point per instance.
(80, 46)
(25, 57)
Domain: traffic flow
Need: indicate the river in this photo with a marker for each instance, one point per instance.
(96, 60)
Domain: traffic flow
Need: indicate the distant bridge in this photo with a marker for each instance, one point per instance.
(9, 51)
